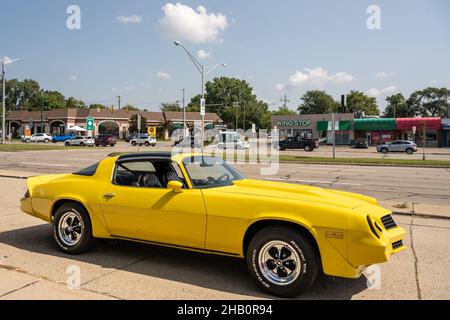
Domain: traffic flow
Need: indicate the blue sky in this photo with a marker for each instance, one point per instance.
(125, 47)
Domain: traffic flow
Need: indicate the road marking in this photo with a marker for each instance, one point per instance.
(315, 181)
(46, 164)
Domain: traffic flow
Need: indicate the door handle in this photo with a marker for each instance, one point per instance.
(109, 196)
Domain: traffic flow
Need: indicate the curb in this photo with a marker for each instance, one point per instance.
(421, 215)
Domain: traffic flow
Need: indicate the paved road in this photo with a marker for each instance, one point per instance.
(394, 186)
(31, 267)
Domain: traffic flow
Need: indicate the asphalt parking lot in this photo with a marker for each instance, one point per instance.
(31, 267)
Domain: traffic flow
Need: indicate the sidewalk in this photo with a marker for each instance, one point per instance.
(23, 286)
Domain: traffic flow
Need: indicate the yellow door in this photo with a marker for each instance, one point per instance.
(155, 214)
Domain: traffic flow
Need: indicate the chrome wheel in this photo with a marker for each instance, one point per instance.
(70, 228)
(279, 262)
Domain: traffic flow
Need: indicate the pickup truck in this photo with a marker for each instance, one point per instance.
(62, 137)
(298, 143)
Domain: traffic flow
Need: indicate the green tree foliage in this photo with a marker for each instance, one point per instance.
(431, 102)
(131, 108)
(358, 102)
(74, 103)
(97, 106)
(317, 102)
(231, 98)
(397, 107)
(53, 100)
(133, 127)
(283, 111)
(21, 95)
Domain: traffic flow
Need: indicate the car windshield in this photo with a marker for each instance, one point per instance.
(210, 172)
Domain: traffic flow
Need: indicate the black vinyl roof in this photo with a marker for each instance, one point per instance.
(131, 156)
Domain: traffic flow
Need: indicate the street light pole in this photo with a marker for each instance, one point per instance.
(204, 70)
(184, 112)
(5, 61)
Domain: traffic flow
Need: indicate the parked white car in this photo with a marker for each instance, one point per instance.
(143, 139)
(37, 137)
(80, 141)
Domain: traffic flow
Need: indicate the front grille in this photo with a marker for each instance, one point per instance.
(388, 222)
(397, 244)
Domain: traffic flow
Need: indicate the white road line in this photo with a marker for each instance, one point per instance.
(315, 181)
(46, 164)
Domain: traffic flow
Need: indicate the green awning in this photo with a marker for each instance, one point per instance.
(322, 125)
(345, 125)
(375, 124)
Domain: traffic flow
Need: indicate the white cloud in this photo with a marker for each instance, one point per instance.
(316, 77)
(374, 92)
(130, 88)
(163, 75)
(202, 54)
(133, 19)
(384, 75)
(73, 78)
(181, 22)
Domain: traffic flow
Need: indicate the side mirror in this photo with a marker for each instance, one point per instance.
(176, 186)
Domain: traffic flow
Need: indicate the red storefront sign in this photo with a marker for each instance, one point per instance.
(409, 123)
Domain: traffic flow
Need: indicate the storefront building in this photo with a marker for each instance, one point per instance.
(414, 128)
(114, 122)
(316, 126)
(376, 130)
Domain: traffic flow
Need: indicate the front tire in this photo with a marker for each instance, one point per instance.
(72, 229)
(409, 151)
(283, 262)
(384, 150)
(308, 148)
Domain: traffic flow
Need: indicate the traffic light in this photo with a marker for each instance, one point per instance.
(112, 109)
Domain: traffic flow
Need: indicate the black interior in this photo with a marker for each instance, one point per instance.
(163, 174)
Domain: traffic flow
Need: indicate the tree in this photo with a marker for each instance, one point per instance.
(397, 107)
(21, 95)
(97, 106)
(170, 107)
(133, 124)
(432, 102)
(317, 102)
(358, 102)
(53, 100)
(131, 108)
(232, 98)
(74, 103)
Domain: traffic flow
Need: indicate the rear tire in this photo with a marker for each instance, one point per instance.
(409, 151)
(72, 229)
(133, 143)
(147, 144)
(308, 148)
(384, 150)
(67, 144)
(283, 261)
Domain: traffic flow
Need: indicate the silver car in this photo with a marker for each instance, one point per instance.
(398, 146)
(143, 139)
(37, 137)
(80, 141)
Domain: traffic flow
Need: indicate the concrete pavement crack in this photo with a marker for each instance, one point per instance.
(416, 259)
(22, 287)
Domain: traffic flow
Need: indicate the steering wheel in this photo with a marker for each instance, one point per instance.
(225, 175)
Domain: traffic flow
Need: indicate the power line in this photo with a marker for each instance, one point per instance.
(285, 100)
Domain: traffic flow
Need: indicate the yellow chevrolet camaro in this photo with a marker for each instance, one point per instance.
(287, 233)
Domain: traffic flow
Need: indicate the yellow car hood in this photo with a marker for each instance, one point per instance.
(300, 192)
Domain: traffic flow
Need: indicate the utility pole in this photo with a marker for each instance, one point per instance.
(184, 112)
(285, 100)
(3, 102)
(333, 124)
(42, 112)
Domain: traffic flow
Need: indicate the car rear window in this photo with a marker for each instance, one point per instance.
(89, 171)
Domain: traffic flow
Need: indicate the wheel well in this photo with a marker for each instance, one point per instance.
(61, 202)
(259, 225)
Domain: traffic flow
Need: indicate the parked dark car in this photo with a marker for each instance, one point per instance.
(298, 143)
(361, 143)
(105, 140)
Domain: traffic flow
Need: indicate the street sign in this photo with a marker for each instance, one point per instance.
(253, 128)
(90, 123)
(152, 131)
(202, 107)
